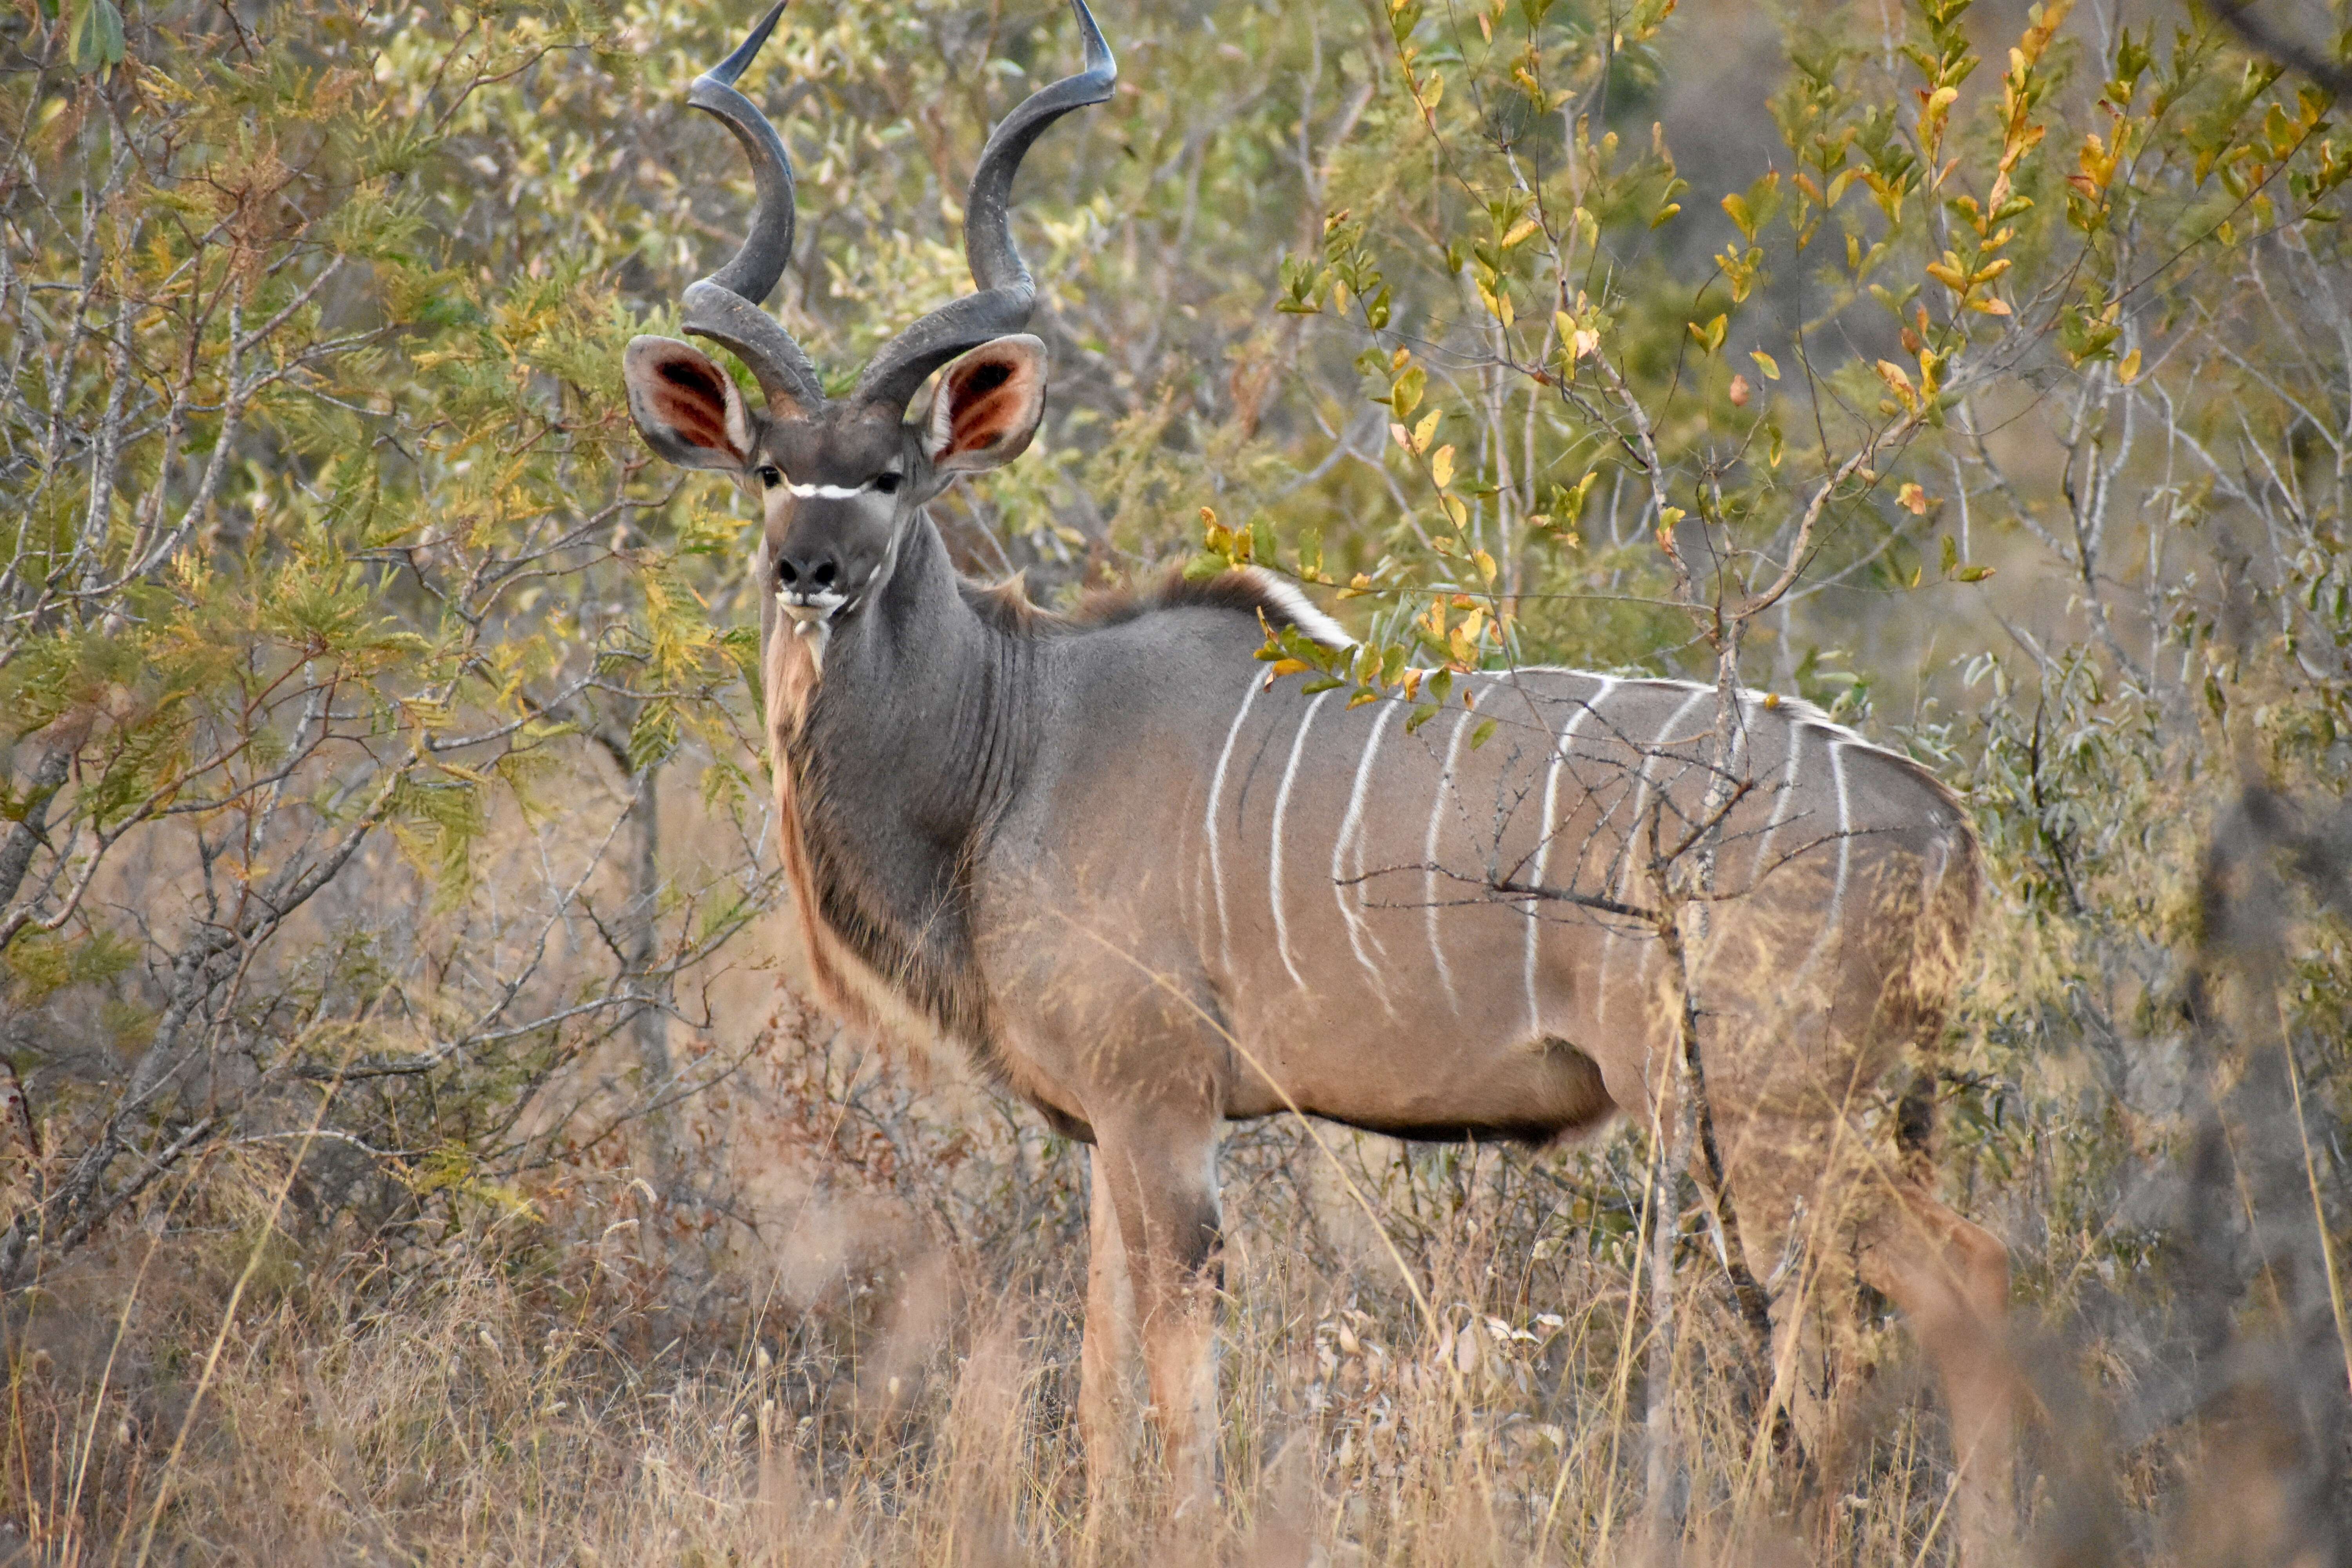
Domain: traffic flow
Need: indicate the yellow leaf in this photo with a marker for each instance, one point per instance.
(1485, 565)
(1669, 516)
(1519, 232)
(1766, 364)
(2128, 372)
(1913, 500)
(1441, 466)
(1426, 429)
(1892, 375)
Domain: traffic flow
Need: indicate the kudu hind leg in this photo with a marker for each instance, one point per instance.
(1950, 1280)
(1161, 1173)
(1107, 1354)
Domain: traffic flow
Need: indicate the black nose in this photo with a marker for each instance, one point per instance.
(817, 571)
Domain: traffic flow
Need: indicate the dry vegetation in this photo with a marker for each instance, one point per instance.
(415, 1149)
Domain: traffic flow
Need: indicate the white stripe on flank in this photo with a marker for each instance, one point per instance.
(1348, 827)
(1274, 849)
(1429, 855)
(1780, 807)
(1548, 826)
(1795, 708)
(1845, 828)
(1845, 854)
(1632, 841)
(1209, 819)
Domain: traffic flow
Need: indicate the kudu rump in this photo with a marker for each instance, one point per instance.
(1154, 890)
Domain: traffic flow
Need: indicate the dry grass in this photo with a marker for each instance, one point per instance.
(851, 1338)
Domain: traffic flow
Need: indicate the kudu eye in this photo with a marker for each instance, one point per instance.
(771, 475)
(886, 483)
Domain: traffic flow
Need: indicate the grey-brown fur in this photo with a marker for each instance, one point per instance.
(1155, 890)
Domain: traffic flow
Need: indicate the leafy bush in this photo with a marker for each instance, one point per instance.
(384, 887)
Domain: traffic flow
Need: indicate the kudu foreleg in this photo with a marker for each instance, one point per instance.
(1162, 1175)
(1107, 1354)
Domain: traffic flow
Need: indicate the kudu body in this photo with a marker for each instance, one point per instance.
(1153, 891)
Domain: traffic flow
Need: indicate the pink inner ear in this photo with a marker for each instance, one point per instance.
(686, 396)
(987, 403)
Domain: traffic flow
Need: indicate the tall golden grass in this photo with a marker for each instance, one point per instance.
(845, 1329)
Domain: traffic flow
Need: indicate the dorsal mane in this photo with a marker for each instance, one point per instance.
(1248, 591)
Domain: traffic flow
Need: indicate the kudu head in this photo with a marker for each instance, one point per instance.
(843, 479)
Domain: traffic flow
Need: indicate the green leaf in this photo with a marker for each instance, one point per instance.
(95, 39)
(1261, 536)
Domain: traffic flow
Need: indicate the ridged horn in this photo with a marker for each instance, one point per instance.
(726, 307)
(1007, 292)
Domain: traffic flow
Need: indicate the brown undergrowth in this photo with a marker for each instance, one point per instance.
(847, 1333)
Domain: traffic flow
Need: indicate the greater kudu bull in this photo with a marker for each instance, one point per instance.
(1153, 891)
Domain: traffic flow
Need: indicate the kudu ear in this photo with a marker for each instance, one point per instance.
(687, 407)
(987, 406)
